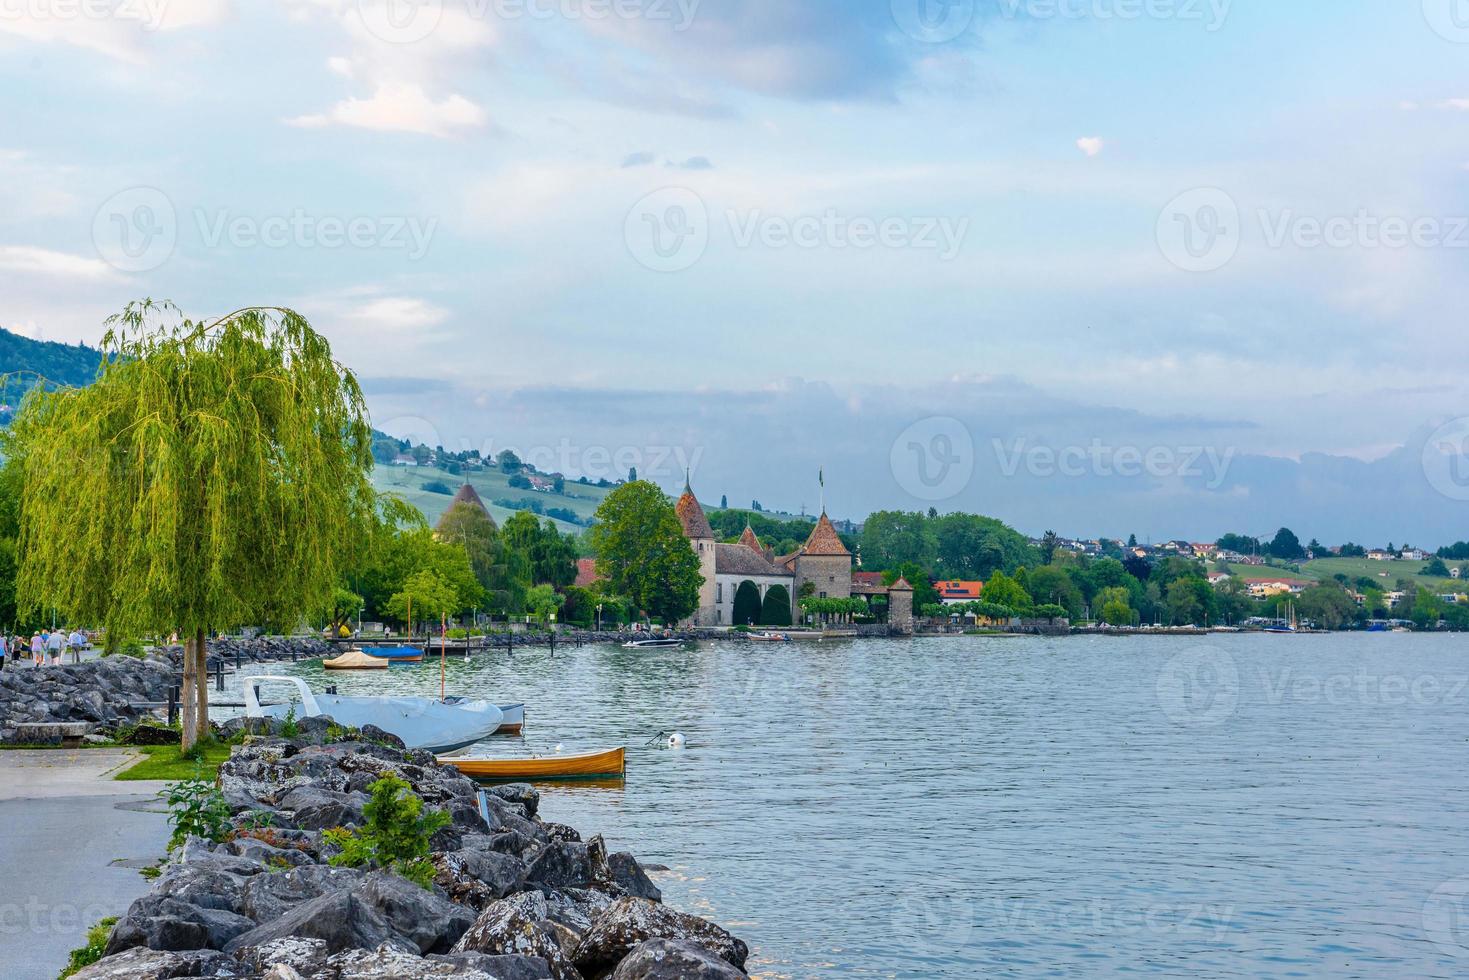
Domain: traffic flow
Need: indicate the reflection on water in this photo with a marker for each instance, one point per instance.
(1232, 806)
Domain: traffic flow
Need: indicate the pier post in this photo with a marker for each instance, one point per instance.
(173, 705)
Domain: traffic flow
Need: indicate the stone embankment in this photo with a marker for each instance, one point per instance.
(513, 897)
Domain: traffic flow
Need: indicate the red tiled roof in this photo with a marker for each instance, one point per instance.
(867, 578)
(691, 516)
(586, 572)
(956, 589)
(824, 540)
(901, 585)
(752, 541)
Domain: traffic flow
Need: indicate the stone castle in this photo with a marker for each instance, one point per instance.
(823, 561)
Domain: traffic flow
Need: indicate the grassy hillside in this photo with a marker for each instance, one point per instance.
(490, 484)
(1385, 573)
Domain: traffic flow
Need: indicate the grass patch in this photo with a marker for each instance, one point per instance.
(167, 762)
(92, 951)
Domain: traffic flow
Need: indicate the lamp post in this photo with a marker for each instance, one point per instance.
(599, 617)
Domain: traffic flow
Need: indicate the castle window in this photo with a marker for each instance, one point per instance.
(719, 592)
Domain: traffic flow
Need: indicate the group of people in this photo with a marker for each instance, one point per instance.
(44, 646)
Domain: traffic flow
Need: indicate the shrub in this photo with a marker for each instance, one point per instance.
(395, 833)
(438, 486)
(776, 610)
(196, 808)
(93, 950)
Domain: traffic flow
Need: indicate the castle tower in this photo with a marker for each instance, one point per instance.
(900, 608)
(701, 537)
(824, 562)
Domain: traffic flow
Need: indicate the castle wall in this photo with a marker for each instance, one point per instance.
(706, 614)
(830, 575)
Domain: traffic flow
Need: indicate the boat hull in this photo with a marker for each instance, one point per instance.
(422, 723)
(513, 719)
(356, 660)
(590, 765)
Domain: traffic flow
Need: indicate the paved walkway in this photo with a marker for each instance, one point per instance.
(63, 822)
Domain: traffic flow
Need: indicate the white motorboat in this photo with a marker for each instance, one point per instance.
(422, 723)
(654, 644)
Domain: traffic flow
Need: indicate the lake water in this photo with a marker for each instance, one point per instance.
(1222, 806)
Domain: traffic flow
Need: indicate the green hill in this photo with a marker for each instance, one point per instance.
(22, 359)
(493, 488)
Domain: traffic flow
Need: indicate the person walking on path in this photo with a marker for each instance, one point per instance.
(54, 644)
(76, 642)
(38, 648)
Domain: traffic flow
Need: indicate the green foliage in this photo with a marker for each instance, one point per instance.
(1436, 569)
(776, 609)
(439, 487)
(425, 596)
(1114, 606)
(960, 546)
(196, 808)
(1003, 590)
(551, 555)
(642, 551)
(746, 604)
(923, 590)
(1286, 545)
(92, 950)
(541, 601)
(1327, 605)
(1050, 610)
(290, 728)
(215, 474)
(395, 833)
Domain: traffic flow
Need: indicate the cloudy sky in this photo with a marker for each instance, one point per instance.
(1170, 267)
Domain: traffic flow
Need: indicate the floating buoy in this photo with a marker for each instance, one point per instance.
(676, 740)
(558, 748)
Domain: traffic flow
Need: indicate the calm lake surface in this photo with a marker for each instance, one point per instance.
(1222, 806)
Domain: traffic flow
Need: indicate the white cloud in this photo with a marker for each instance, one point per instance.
(397, 314)
(121, 30)
(31, 260)
(1459, 105)
(1091, 145)
(402, 108)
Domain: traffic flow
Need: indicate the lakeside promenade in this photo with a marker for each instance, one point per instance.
(64, 822)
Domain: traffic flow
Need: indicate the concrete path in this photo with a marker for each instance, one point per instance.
(63, 823)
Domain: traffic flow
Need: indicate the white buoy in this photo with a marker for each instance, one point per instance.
(676, 740)
(558, 748)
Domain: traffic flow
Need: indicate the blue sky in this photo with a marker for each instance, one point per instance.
(714, 226)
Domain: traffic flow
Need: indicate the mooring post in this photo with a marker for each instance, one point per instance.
(219, 674)
(173, 705)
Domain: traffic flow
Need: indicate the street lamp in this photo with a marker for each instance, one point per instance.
(599, 617)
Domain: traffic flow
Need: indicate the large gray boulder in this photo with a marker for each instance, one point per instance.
(476, 878)
(509, 928)
(380, 908)
(629, 876)
(674, 959)
(266, 898)
(629, 922)
(163, 923)
(502, 967)
(562, 864)
(154, 964)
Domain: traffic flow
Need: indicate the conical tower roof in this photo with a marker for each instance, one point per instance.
(466, 495)
(691, 515)
(824, 540)
(750, 540)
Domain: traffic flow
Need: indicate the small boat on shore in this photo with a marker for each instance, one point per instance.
(769, 637)
(356, 659)
(422, 723)
(588, 765)
(512, 716)
(656, 643)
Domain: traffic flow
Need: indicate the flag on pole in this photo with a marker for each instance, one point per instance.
(821, 476)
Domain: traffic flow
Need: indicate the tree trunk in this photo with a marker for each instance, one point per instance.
(201, 712)
(188, 697)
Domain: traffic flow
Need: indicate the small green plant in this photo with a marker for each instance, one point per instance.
(92, 951)
(152, 871)
(257, 820)
(290, 728)
(196, 808)
(395, 833)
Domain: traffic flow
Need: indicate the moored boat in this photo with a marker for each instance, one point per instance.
(356, 659)
(422, 723)
(653, 644)
(611, 762)
(769, 637)
(396, 655)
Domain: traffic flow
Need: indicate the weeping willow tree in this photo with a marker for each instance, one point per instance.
(214, 475)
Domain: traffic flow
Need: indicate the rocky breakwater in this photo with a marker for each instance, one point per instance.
(512, 897)
(101, 692)
(257, 649)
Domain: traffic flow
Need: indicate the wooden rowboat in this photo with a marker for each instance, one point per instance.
(612, 762)
(356, 660)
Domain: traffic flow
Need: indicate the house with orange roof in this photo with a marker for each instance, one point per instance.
(955, 591)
